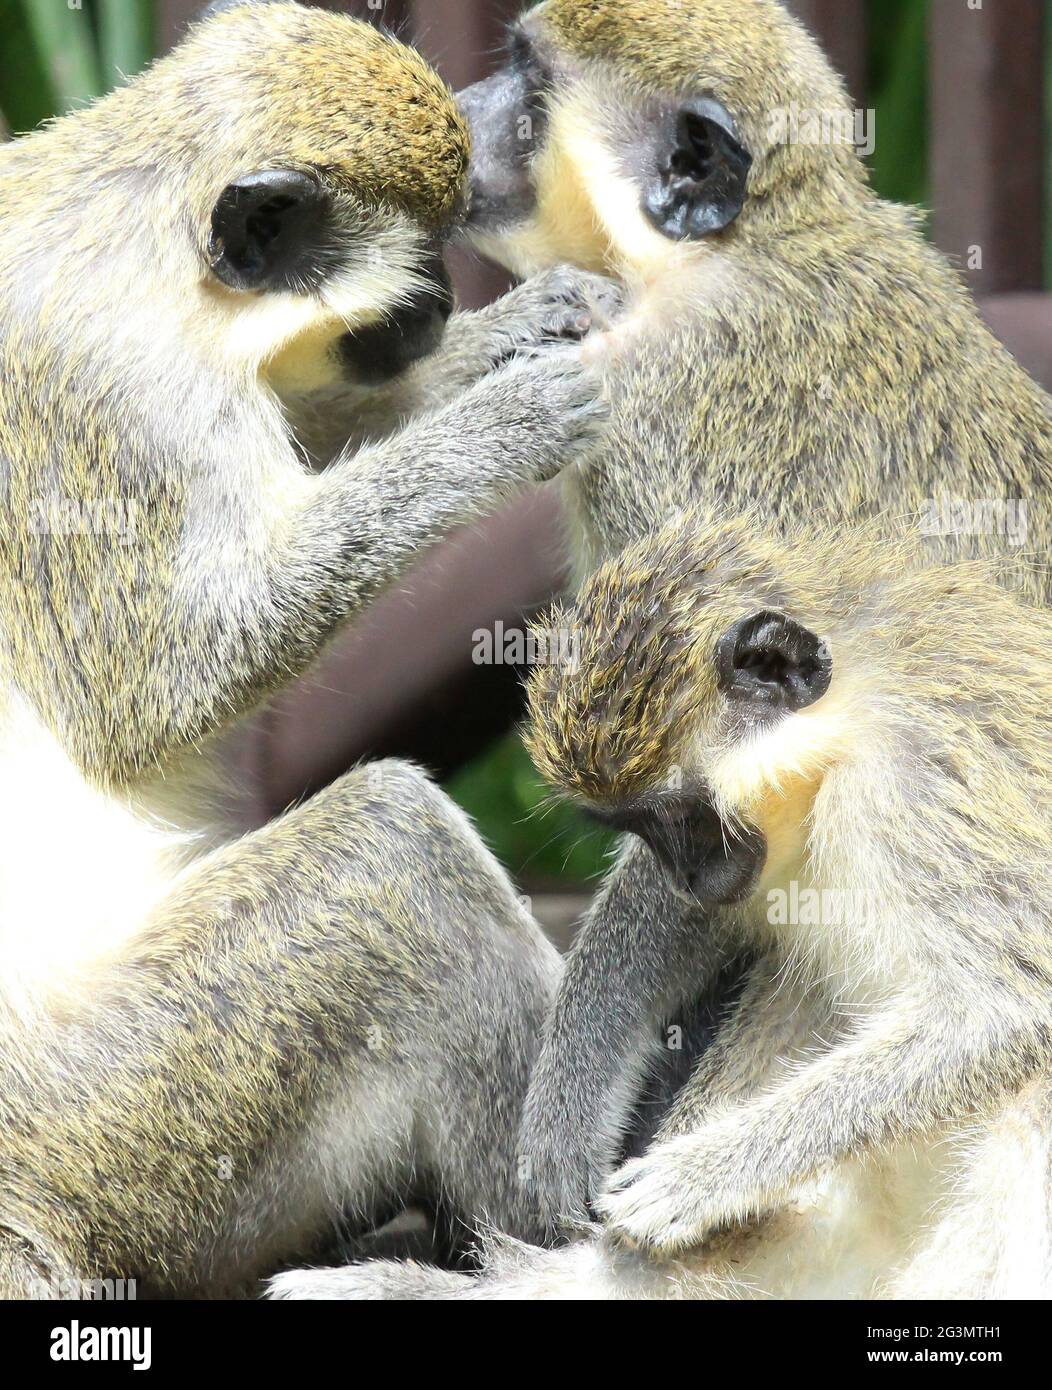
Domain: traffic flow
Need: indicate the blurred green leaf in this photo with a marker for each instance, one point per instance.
(538, 837)
(26, 97)
(126, 37)
(64, 39)
(898, 78)
(68, 52)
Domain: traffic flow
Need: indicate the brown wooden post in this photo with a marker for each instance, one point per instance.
(840, 26)
(172, 18)
(987, 139)
(389, 14)
(175, 15)
(463, 38)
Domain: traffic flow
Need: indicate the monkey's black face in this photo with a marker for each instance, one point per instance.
(685, 156)
(767, 666)
(709, 860)
(507, 116)
(382, 351)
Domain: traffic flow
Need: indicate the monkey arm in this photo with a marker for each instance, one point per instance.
(235, 590)
(359, 524)
(562, 304)
(641, 951)
(904, 1071)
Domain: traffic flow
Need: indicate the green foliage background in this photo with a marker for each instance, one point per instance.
(57, 54)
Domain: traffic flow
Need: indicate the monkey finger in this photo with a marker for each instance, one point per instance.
(569, 327)
(649, 1204)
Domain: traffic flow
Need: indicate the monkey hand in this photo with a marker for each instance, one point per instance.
(563, 1179)
(553, 310)
(563, 304)
(679, 1192)
(551, 403)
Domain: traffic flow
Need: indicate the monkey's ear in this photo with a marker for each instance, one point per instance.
(268, 229)
(699, 187)
(770, 660)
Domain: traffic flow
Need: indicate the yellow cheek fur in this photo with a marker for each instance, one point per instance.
(587, 210)
(771, 777)
(290, 336)
(308, 361)
(565, 226)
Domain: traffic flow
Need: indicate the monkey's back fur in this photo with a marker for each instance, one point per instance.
(839, 371)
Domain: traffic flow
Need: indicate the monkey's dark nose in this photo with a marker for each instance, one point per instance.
(712, 861)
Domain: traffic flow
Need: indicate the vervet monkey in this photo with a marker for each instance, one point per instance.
(209, 1048)
(839, 753)
(790, 341)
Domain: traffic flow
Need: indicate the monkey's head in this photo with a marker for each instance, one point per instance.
(619, 133)
(283, 182)
(700, 710)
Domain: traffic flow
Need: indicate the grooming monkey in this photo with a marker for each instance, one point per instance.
(208, 1048)
(838, 752)
(790, 337)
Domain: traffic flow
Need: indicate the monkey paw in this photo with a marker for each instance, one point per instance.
(563, 304)
(659, 1201)
(561, 1186)
(581, 302)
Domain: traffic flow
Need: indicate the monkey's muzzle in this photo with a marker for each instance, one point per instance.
(414, 330)
(708, 860)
